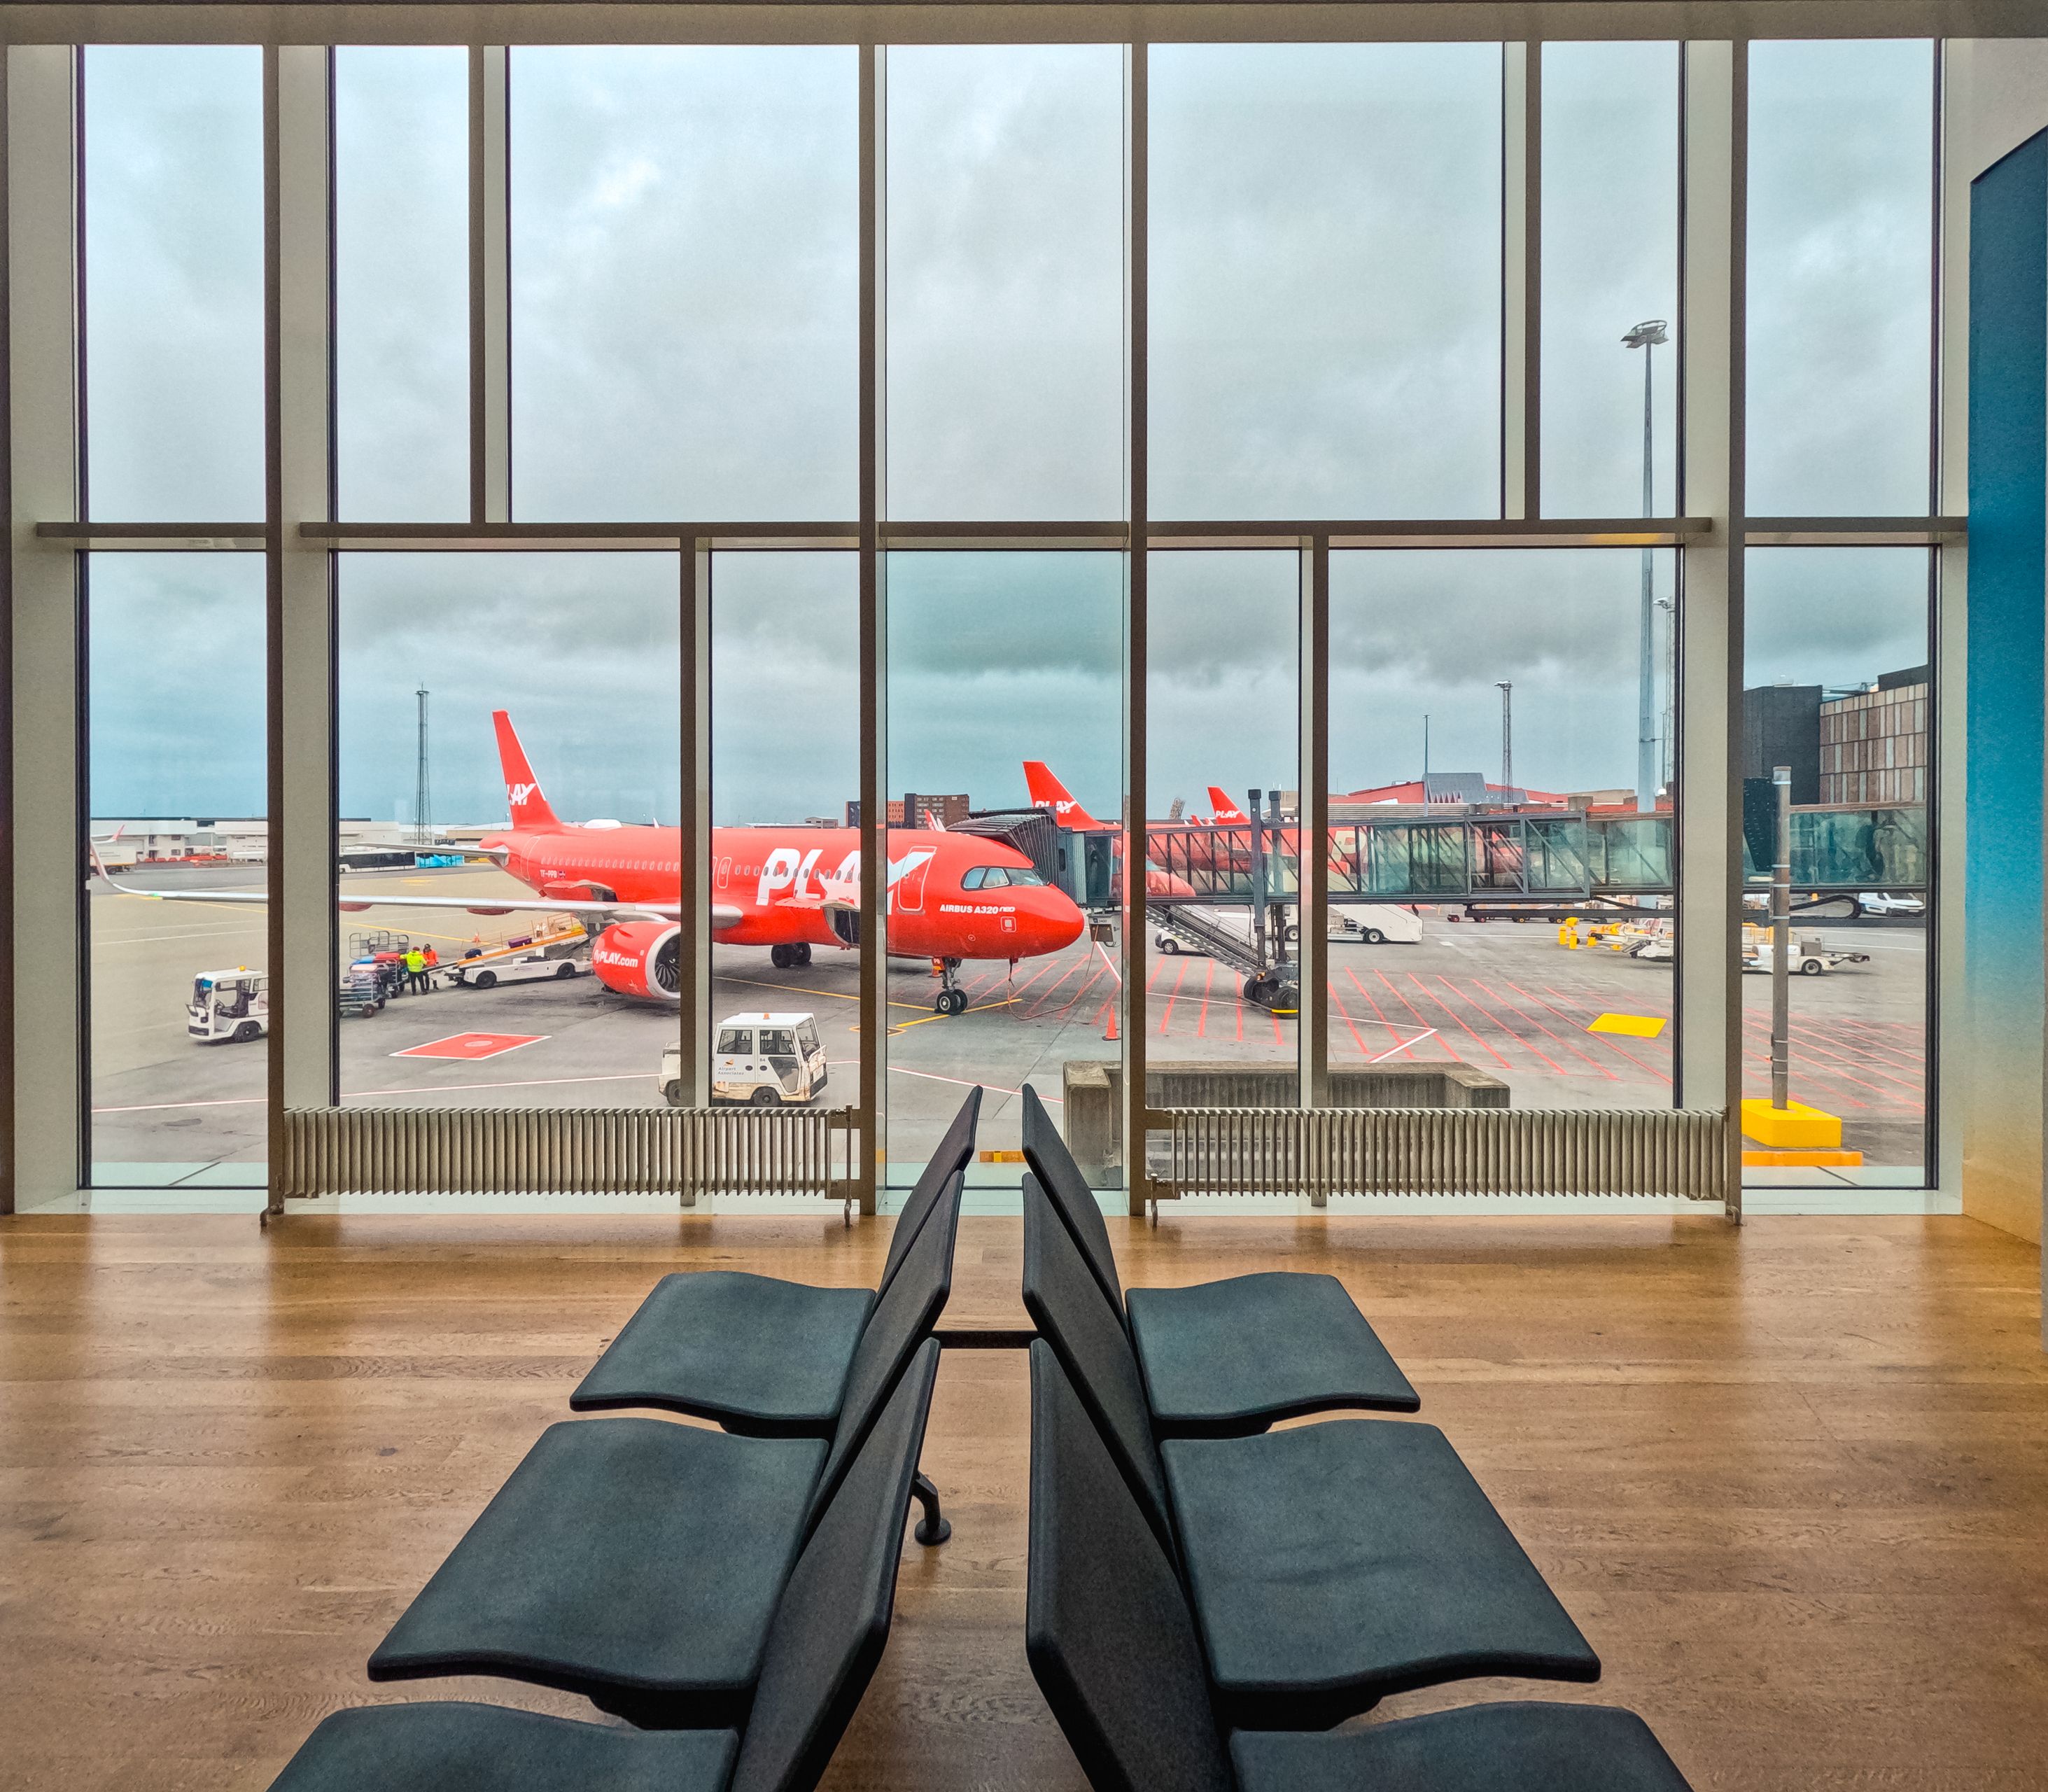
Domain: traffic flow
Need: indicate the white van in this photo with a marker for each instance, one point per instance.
(765, 1060)
(1376, 924)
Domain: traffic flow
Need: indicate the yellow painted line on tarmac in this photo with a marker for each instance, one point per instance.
(980, 1007)
(800, 989)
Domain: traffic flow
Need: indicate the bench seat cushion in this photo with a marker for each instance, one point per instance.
(758, 1355)
(1224, 1359)
(1521, 1747)
(1331, 1565)
(635, 1561)
(439, 1747)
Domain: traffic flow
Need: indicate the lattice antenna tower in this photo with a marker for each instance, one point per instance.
(423, 791)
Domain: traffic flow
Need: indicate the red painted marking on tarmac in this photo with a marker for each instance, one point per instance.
(1344, 1014)
(1384, 1021)
(1440, 1002)
(1202, 1013)
(1165, 1018)
(1569, 1045)
(1607, 1040)
(1528, 1045)
(469, 1047)
(1808, 1045)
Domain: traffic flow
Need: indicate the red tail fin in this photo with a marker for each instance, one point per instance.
(1226, 810)
(1048, 792)
(522, 790)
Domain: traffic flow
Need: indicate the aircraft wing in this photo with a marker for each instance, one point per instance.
(722, 914)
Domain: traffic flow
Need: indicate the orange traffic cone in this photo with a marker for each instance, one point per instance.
(1109, 1033)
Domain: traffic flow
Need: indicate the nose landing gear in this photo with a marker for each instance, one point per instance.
(790, 958)
(951, 999)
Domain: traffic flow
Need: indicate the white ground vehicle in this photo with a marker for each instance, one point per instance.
(1376, 925)
(765, 1061)
(1882, 901)
(1170, 943)
(535, 966)
(229, 1005)
(1808, 957)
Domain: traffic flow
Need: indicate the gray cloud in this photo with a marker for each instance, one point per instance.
(1325, 325)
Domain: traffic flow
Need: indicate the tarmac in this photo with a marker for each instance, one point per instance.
(1506, 998)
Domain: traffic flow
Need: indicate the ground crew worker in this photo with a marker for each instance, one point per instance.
(415, 970)
(432, 960)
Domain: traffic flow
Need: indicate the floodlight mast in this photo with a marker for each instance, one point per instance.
(1506, 686)
(1647, 336)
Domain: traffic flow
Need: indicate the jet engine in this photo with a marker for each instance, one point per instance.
(639, 958)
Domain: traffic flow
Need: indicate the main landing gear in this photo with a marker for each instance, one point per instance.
(951, 999)
(790, 958)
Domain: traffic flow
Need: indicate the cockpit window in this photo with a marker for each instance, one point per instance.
(995, 878)
(972, 880)
(1028, 878)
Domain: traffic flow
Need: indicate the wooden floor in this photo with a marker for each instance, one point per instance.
(1792, 1481)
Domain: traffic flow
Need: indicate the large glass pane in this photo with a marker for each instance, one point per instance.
(488, 825)
(174, 282)
(786, 848)
(1610, 242)
(685, 263)
(997, 661)
(1006, 281)
(180, 999)
(1839, 688)
(1223, 745)
(1841, 182)
(401, 284)
(1486, 717)
(1325, 280)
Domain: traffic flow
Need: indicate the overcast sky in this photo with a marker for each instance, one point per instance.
(1325, 341)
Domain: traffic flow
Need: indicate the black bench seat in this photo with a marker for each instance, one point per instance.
(756, 1355)
(1331, 1565)
(828, 1636)
(638, 1561)
(1327, 1564)
(1114, 1648)
(1225, 1358)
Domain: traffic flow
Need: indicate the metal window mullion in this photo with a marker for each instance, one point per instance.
(489, 285)
(1137, 1104)
(1520, 279)
(693, 944)
(1714, 158)
(1312, 822)
(45, 667)
(874, 628)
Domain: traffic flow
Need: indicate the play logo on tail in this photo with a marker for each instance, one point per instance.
(1048, 792)
(1226, 810)
(522, 790)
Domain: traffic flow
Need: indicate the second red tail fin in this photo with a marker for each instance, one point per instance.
(1226, 810)
(522, 790)
(1048, 792)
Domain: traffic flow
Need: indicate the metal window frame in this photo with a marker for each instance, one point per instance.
(41, 471)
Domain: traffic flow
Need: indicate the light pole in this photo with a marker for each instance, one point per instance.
(1425, 754)
(1647, 337)
(1505, 686)
(1669, 758)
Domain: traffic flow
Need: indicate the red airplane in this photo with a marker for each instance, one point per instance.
(950, 896)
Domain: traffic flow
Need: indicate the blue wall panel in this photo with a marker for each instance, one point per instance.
(2001, 1060)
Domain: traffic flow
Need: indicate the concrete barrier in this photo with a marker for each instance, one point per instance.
(1094, 1097)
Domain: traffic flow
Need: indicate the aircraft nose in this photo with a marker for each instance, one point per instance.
(1061, 922)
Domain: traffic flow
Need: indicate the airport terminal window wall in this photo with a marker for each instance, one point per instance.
(785, 848)
(1006, 677)
(1325, 318)
(179, 1013)
(1223, 702)
(1838, 687)
(1506, 801)
(579, 654)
